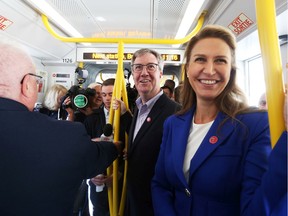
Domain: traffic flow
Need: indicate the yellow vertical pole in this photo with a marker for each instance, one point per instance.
(124, 93)
(110, 168)
(124, 189)
(270, 49)
(118, 86)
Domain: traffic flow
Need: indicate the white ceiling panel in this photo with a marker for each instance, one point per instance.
(123, 19)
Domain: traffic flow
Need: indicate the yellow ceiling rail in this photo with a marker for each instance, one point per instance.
(125, 40)
(118, 91)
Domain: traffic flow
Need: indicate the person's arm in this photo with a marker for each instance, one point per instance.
(273, 189)
(69, 110)
(70, 116)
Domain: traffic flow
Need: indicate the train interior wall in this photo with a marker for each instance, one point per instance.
(100, 72)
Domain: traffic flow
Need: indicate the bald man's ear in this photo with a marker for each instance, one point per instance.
(27, 87)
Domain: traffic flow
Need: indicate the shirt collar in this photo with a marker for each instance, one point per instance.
(150, 102)
(106, 111)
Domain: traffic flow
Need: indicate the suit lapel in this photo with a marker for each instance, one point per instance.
(132, 128)
(211, 141)
(102, 117)
(180, 130)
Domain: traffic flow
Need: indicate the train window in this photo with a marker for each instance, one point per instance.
(103, 76)
(255, 74)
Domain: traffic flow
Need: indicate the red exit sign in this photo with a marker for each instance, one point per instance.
(240, 24)
(4, 23)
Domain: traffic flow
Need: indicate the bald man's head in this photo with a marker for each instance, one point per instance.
(15, 63)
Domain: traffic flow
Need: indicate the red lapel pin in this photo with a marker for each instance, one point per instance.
(213, 139)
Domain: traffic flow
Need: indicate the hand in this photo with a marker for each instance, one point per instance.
(125, 155)
(67, 103)
(118, 144)
(69, 110)
(98, 139)
(119, 103)
(109, 181)
(99, 180)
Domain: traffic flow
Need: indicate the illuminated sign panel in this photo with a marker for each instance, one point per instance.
(109, 55)
(105, 56)
(171, 57)
(127, 56)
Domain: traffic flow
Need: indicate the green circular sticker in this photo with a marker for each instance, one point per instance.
(80, 101)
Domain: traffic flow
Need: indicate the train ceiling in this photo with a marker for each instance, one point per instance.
(119, 18)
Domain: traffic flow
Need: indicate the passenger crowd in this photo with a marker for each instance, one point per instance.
(197, 148)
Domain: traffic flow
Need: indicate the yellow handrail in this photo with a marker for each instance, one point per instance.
(265, 12)
(125, 40)
(118, 86)
(270, 49)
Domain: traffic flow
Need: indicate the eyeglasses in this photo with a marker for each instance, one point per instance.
(138, 68)
(31, 74)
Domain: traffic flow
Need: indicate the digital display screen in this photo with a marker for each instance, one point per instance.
(127, 56)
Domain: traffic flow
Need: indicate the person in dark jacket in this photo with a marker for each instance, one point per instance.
(42, 160)
(152, 108)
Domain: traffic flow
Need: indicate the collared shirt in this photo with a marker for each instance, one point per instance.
(144, 110)
(106, 115)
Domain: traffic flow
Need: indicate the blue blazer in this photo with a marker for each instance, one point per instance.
(225, 173)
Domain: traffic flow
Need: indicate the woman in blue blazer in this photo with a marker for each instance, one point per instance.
(215, 151)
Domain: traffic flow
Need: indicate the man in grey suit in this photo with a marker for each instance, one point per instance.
(145, 135)
(42, 160)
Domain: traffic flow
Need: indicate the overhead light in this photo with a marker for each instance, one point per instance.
(53, 15)
(100, 19)
(191, 12)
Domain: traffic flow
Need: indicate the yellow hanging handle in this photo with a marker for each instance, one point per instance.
(270, 49)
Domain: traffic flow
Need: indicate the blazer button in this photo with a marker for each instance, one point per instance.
(187, 192)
